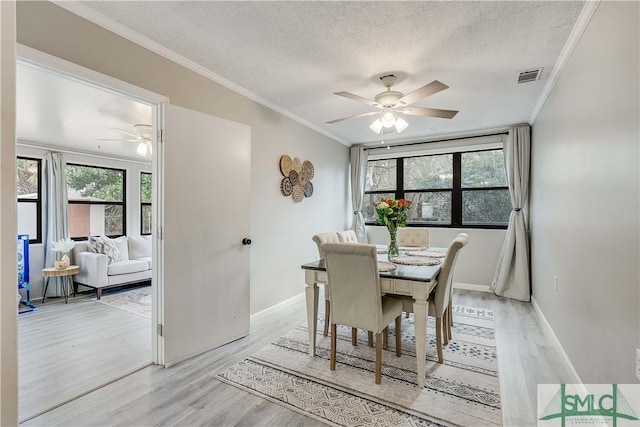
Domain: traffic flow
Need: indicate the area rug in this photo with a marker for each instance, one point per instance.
(136, 301)
(462, 391)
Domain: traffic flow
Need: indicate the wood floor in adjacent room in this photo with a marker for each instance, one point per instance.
(66, 350)
(188, 394)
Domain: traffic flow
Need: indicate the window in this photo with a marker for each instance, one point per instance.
(145, 203)
(456, 189)
(96, 201)
(28, 179)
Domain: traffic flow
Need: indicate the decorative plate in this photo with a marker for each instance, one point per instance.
(385, 266)
(432, 254)
(285, 186)
(297, 164)
(303, 179)
(293, 177)
(414, 260)
(286, 164)
(308, 189)
(307, 169)
(298, 193)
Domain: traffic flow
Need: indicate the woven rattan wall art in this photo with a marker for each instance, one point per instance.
(297, 178)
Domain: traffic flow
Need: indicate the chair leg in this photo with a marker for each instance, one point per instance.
(445, 327)
(354, 336)
(398, 336)
(407, 314)
(385, 338)
(327, 313)
(332, 364)
(439, 338)
(378, 357)
(370, 338)
(450, 311)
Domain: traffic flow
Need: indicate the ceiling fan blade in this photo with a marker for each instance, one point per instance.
(426, 90)
(135, 135)
(121, 140)
(430, 112)
(358, 98)
(353, 117)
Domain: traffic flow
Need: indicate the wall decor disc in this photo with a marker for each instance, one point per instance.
(308, 189)
(302, 179)
(307, 169)
(297, 164)
(286, 164)
(293, 177)
(298, 193)
(285, 186)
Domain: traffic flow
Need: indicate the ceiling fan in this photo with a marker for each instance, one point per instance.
(394, 104)
(141, 134)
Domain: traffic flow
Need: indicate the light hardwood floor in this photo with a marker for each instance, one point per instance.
(66, 350)
(188, 394)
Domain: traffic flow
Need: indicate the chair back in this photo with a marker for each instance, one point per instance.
(347, 236)
(323, 238)
(355, 297)
(445, 278)
(413, 236)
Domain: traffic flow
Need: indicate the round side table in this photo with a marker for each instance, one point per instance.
(67, 279)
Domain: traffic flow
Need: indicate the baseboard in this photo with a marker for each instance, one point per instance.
(471, 287)
(205, 349)
(263, 313)
(556, 341)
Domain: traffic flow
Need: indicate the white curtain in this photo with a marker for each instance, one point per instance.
(511, 278)
(57, 213)
(358, 161)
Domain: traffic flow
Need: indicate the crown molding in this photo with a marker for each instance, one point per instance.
(127, 33)
(581, 24)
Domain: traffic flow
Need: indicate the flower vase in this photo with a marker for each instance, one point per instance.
(393, 243)
(65, 261)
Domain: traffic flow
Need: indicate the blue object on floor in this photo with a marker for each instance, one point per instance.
(23, 273)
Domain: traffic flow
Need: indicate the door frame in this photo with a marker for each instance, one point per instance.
(35, 58)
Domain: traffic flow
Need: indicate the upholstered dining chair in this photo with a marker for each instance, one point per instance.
(356, 296)
(440, 299)
(321, 239)
(413, 237)
(347, 236)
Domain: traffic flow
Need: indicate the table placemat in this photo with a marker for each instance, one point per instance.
(432, 254)
(414, 260)
(385, 266)
(412, 248)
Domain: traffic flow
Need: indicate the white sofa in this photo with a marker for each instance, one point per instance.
(96, 272)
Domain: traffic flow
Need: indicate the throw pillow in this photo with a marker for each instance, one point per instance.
(104, 245)
(121, 244)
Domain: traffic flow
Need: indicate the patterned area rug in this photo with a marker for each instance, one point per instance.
(462, 391)
(136, 301)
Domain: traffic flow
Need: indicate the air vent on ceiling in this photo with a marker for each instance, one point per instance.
(529, 75)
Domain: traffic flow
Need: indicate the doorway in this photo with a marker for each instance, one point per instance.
(68, 350)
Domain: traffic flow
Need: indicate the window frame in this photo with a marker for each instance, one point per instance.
(142, 205)
(37, 201)
(123, 203)
(456, 191)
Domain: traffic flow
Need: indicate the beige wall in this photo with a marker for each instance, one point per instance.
(584, 199)
(281, 230)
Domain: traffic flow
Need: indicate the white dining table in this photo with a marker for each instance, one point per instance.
(406, 280)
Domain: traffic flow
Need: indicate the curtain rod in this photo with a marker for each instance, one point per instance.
(439, 140)
(81, 153)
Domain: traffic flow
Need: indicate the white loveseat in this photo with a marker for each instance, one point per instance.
(96, 272)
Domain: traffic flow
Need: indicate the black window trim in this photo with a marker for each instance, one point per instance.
(37, 201)
(456, 191)
(142, 205)
(123, 203)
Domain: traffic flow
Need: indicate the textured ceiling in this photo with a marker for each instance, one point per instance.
(297, 54)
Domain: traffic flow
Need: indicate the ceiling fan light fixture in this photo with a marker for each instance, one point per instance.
(376, 126)
(401, 124)
(388, 120)
(142, 149)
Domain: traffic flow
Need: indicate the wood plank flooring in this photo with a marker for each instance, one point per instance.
(188, 394)
(66, 350)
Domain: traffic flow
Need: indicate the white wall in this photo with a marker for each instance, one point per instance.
(584, 199)
(132, 184)
(281, 230)
(476, 262)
